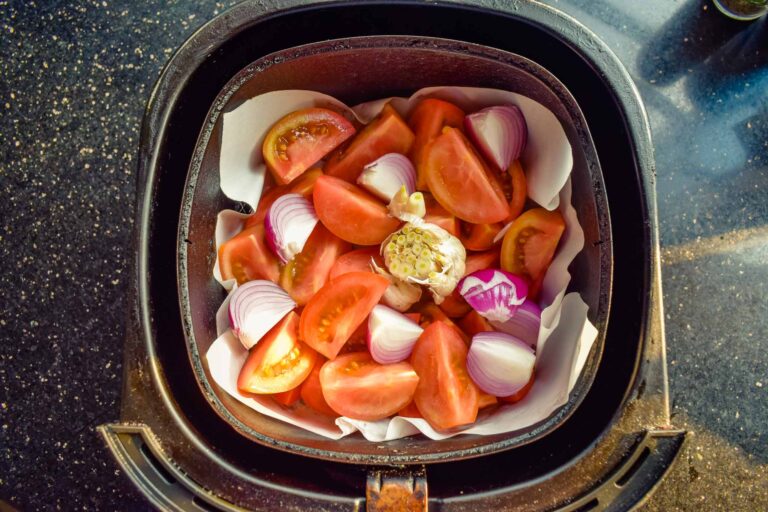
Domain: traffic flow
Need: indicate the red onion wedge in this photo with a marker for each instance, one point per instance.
(499, 132)
(384, 177)
(500, 364)
(524, 324)
(289, 222)
(255, 308)
(494, 294)
(391, 335)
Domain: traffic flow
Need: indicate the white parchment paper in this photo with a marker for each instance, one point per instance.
(565, 336)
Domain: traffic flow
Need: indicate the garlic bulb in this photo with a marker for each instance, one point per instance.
(399, 295)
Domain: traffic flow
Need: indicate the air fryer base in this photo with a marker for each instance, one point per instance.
(181, 464)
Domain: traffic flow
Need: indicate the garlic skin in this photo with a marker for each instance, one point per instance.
(425, 254)
(408, 208)
(399, 295)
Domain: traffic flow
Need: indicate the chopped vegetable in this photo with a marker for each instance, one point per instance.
(289, 222)
(400, 295)
(246, 257)
(524, 324)
(499, 364)
(427, 120)
(408, 208)
(384, 176)
(494, 294)
(499, 132)
(391, 335)
(255, 308)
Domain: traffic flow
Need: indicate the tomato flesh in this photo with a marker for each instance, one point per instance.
(427, 121)
(410, 411)
(388, 133)
(356, 386)
(312, 393)
(308, 271)
(431, 313)
(461, 182)
(439, 216)
(486, 400)
(473, 323)
(519, 190)
(246, 257)
(530, 244)
(301, 139)
(289, 397)
(333, 314)
(445, 395)
(479, 237)
(356, 261)
(351, 213)
(278, 362)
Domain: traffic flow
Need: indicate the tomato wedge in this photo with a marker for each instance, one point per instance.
(312, 393)
(410, 411)
(460, 180)
(278, 362)
(445, 396)
(301, 139)
(289, 397)
(430, 313)
(473, 323)
(333, 314)
(520, 393)
(530, 245)
(351, 213)
(519, 190)
(356, 386)
(427, 120)
(439, 216)
(246, 257)
(479, 237)
(356, 261)
(388, 133)
(306, 273)
(486, 400)
(454, 304)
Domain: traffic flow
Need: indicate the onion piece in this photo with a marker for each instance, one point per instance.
(391, 335)
(384, 177)
(289, 222)
(499, 364)
(256, 307)
(499, 132)
(524, 324)
(494, 294)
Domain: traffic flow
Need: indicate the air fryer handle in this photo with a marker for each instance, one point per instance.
(397, 489)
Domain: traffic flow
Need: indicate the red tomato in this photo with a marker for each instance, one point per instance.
(454, 304)
(519, 395)
(479, 237)
(356, 261)
(301, 139)
(430, 313)
(246, 257)
(388, 133)
(486, 400)
(278, 362)
(427, 120)
(460, 180)
(410, 411)
(530, 245)
(289, 397)
(519, 193)
(312, 393)
(305, 184)
(306, 273)
(333, 314)
(356, 386)
(473, 323)
(351, 213)
(445, 396)
(439, 216)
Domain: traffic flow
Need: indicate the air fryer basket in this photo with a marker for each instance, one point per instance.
(608, 454)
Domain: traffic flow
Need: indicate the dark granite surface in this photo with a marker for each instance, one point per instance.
(74, 80)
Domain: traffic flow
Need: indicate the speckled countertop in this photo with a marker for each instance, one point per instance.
(74, 80)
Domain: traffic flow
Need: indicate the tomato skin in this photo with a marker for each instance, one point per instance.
(302, 138)
(356, 261)
(530, 244)
(427, 119)
(439, 216)
(454, 304)
(312, 393)
(473, 323)
(356, 386)
(279, 362)
(520, 393)
(351, 213)
(431, 313)
(410, 411)
(388, 133)
(486, 400)
(333, 314)
(246, 257)
(461, 181)
(289, 397)
(446, 395)
(309, 270)
(519, 192)
(479, 237)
